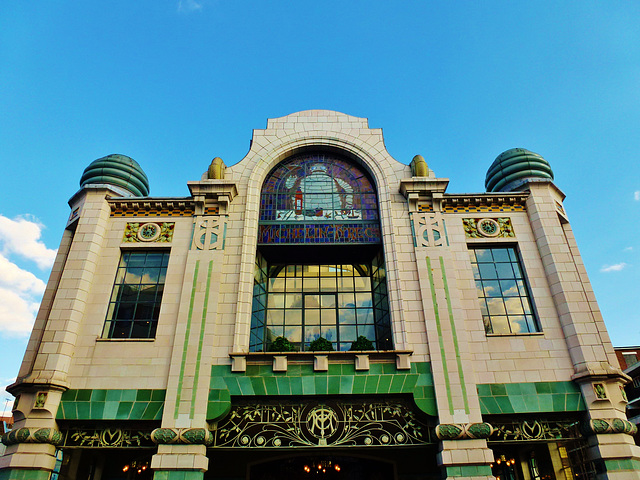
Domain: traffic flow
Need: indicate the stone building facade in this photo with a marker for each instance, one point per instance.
(320, 310)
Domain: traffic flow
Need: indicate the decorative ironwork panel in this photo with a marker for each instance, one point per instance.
(321, 424)
(109, 437)
(535, 429)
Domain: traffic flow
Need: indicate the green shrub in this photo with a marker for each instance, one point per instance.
(362, 343)
(281, 344)
(321, 344)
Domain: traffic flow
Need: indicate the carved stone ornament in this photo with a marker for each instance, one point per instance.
(209, 232)
(149, 232)
(107, 438)
(600, 426)
(321, 424)
(185, 436)
(488, 228)
(429, 230)
(31, 435)
(623, 393)
(600, 391)
(463, 431)
(41, 399)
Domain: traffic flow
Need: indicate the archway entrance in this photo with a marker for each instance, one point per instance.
(323, 467)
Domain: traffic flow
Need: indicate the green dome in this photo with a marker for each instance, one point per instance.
(514, 166)
(117, 170)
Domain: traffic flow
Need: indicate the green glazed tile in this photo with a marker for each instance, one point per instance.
(271, 386)
(543, 387)
(504, 404)
(321, 385)
(128, 395)
(422, 367)
(528, 389)
(158, 395)
(517, 402)
(294, 370)
(559, 401)
(219, 370)
(513, 389)
(307, 370)
(143, 395)
(333, 386)
(232, 385)
(217, 383)
(138, 410)
(110, 410)
(483, 390)
(347, 369)
(296, 386)
(384, 383)
(213, 395)
(396, 383)
(124, 409)
(375, 369)
(69, 396)
(258, 386)
(97, 410)
(251, 371)
(372, 384)
(359, 383)
(113, 395)
(308, 385)
(84, 410)
(245, 385)
(83, 395)
(284, 385)
(531, 401)
(389, 368)
(498, 389)
(410, 382)
(346, 384)
(98, 395)
(335, 369)
(546, 403)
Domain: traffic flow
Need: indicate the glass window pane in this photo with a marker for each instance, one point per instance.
(500, 324)
(487, 271)
(293, 333)
(134, 275)
(362, 284)
(328, 316)
(500, 255)
(311, 301)
(348, 333)
(496, 306)
(363, 300)
(347, 315)
(484, 255)
(368, 331)
(144, 311)
(293, 317)
(327, 301)
(276, 284)
(514, 306)
(311, 317)
(504, 270)
(329, 333)
(509, 288)
(276, 300)
(311, 284)
(293, 300)
(346, 300)
(275, 317)
(365, 315)
(311, 333)
(492, 288)
(328, 284)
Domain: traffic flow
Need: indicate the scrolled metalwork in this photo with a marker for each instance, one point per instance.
(107, 438)
(535, 429)
(321, 424)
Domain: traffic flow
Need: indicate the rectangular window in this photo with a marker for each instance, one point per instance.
(630, 358)
(137, 293)
(502, 290)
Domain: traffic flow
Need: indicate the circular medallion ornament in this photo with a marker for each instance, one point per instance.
(488, 227)
(244, 440)
(322, 421)
(148, 232)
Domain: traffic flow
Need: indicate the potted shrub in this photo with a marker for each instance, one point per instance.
(281, 344)
(321, 344)
(362, 343)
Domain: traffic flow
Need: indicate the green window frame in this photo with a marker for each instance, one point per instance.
(134, 306)
(501, 284)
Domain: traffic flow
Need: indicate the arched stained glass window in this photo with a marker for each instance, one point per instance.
(319, 266)
(318, 198)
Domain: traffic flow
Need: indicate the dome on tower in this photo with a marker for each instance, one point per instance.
(118, 170)
(513, 167)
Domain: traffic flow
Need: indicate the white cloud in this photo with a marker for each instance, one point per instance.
(17, 312)
(613, 268)
(636, 195)
(628, 249)
(16, 279)
(188, 5)
(5, 406)
(21, 236)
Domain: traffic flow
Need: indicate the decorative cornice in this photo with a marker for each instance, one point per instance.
(161, 207)
(463, 431)
(26, 435)
(184, 436)
(600, 426)
(477, 199)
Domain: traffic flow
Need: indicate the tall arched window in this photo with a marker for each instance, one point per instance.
(319, 266)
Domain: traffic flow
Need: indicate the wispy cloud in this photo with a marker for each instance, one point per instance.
(6, 399)
(613, 268)
(636, 195)
(189, 6)
(628, 249)
(21, 236)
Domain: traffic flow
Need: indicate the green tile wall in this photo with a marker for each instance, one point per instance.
(623, 464)
(537, 397)
(111, 404)
(23, 474)
(178, 475)
(469, 471)
(341, 379)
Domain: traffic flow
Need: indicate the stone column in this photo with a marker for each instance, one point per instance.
(593, 357)
(43, 376)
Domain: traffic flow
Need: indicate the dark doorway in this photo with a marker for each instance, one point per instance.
(319, 467)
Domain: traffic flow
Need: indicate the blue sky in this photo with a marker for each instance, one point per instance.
(175, 83)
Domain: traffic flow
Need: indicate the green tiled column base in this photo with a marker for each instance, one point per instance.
(469, 471)
(24, 474)
(623, 464)
(537, 397)
(111, 405)
(340, 379)
(178, 475)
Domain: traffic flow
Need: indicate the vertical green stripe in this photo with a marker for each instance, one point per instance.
(413, 231)
(202, 324)
(446, 235)
(186, 338)
(455, 338)
(440, 339)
